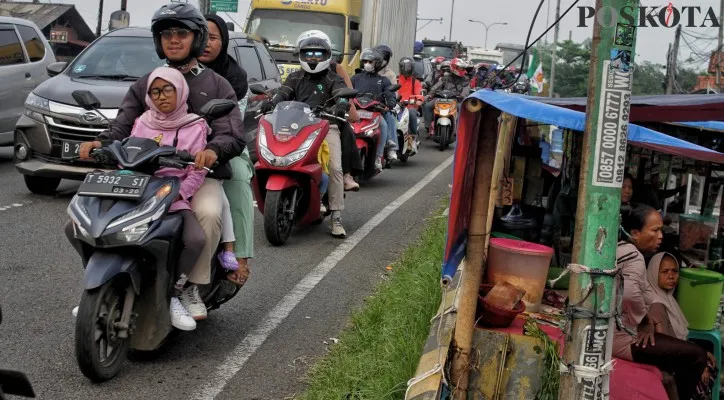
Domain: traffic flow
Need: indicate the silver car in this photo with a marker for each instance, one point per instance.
(24, 56)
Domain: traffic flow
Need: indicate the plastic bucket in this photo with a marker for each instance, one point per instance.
(522, 264)
(699, 294)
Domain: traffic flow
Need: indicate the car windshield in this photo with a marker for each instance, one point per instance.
(281, 28)
(117, 58)
(437, 51)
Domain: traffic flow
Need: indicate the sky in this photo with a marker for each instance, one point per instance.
(652, 43)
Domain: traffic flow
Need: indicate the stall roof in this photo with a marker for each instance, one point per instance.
(716, 126)
(525, 107)
(661, 108)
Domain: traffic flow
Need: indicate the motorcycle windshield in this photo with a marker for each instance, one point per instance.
(290, 117)
(364, 100)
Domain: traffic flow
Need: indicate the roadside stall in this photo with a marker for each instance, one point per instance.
(510, 182)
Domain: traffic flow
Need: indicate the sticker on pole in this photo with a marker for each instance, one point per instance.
(594, 356)
(612, 127)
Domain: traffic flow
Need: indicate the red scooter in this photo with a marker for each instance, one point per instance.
(368, 131)
(286, 185)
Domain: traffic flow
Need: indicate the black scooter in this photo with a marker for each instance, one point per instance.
(130, 247)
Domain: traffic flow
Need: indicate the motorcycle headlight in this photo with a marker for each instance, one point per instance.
(369, 132)
(145, 208)
(132, 233)
(78, 212)
(291, 158)
(444, 112)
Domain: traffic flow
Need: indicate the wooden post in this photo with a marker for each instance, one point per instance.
(485, 184)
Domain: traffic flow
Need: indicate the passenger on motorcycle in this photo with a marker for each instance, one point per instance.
(410, 87)
(314, 84)
(180, 33)
(388, 73)
(370, 81)
(455, 81)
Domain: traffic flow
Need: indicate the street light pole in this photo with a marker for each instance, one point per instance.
(487, 27)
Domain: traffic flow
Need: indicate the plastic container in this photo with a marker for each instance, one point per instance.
(695, 231)
(522, 264)
(698, 295)
(494, 317)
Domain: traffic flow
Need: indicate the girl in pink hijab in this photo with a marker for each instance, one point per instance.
(168, 114)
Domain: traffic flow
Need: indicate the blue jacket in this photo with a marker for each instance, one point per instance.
(365, 82)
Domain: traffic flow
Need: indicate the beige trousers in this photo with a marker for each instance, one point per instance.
(336, 182)
(206, 205)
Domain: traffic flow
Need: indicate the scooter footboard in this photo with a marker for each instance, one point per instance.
(102, 267)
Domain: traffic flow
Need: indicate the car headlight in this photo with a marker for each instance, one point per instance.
(38, 103)
(145, 208)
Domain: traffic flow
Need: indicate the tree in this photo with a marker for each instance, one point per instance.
(648, 78)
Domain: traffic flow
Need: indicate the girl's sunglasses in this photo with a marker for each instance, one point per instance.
(170, 33)
(167, 91)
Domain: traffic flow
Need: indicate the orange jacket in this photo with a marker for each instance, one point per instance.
(410, 86)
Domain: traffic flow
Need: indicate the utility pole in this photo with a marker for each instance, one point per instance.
(100, 18)
(551, 86)
(718, 48)
(452, 13)
(592, 290)
(672, 64)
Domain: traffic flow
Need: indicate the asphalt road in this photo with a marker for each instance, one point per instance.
(259, 345)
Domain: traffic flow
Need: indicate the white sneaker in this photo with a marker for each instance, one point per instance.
(392, 155)
(192, 302)
(378, 163)
(180, 318)
(392, 144)
(322, 209)
(336, 225)
(75, 312)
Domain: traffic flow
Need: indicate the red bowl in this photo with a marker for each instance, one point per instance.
(488, 315)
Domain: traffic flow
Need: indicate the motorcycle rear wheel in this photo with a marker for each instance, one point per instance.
(99, 310)
(277, 224)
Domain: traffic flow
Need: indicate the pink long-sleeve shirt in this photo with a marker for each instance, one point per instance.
(191, 138)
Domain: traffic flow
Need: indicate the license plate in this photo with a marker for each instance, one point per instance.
(119, 184)
(69, 149)
(365, 114)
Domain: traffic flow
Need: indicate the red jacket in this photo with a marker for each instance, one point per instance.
(410, 86)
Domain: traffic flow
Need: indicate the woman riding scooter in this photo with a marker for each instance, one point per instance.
(410, 90)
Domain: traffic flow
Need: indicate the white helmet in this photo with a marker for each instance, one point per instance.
(314, 50)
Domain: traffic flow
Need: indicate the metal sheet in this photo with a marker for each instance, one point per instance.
(390, 22)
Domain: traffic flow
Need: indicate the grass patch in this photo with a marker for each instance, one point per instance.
(379, 352)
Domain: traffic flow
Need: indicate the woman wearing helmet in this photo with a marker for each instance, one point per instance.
(387, 72)
(180, 33)
(410, 89)
(369, 81)
(454, 80)
(314, 84)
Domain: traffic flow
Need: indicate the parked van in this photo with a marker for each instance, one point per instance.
(24, 57)
(49, 133)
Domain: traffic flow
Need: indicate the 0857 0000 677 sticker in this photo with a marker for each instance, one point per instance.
(612, 127)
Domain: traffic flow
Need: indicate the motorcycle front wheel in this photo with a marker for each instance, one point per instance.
(442, 144)
(98, 349)
(278, 221)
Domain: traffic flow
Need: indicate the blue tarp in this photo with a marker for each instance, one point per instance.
(706, 125)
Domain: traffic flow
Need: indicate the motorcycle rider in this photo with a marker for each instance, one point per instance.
(387, 72)
(369, 81)
(314, 84)
(453, 80)
(410, 86)
(180, 33)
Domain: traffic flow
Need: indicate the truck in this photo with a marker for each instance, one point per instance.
(510, 51)
(481, 55)
(351, 25)
(447, 49)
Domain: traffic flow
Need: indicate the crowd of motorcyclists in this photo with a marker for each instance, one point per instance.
(221, 201)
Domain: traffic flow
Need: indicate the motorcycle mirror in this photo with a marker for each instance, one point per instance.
(257, 88)
(217, 108)
(346, 93)
(395, 87)
(86, 99)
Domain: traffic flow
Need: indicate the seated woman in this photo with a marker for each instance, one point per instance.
(686, 361)
(668, 319)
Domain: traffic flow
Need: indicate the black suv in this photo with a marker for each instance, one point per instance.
(49, 133)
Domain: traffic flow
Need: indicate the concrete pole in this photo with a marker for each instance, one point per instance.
(100, 18)
(672, 65)
(452, 13)
(552, 84)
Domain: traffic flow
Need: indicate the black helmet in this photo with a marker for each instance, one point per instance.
(407, 66)
(373, 55)
(386, 52)
(186, 15)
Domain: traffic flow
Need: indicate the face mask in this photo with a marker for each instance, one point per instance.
(369, 67)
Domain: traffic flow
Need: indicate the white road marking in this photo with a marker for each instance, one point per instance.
(251, 343)
(11, 206)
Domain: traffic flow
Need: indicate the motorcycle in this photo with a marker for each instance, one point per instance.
(286, 185)
(369, 132)
(130, 245)
(404, 138)
(14, 382)
(445, 112)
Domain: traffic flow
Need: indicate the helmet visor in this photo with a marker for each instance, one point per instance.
(313, 55)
